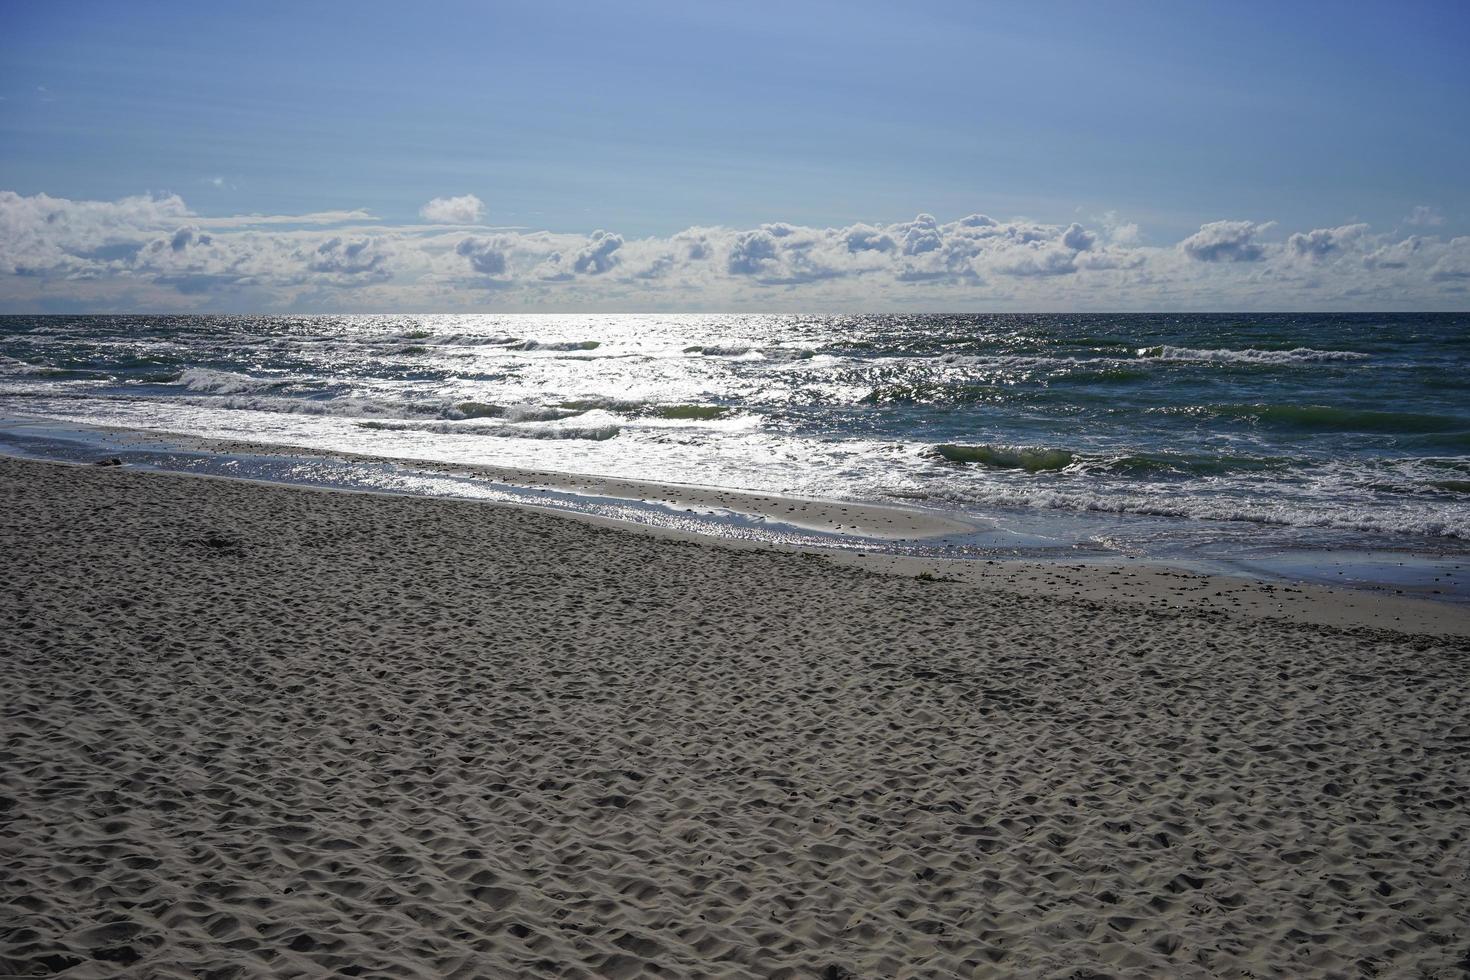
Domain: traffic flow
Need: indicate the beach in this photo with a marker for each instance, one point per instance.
(262, 730)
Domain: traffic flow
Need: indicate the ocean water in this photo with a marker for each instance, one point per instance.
(1173, 434)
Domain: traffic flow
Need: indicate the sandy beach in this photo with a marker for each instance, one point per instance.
(253, 730)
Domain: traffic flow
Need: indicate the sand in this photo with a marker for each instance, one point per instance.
(253, 730)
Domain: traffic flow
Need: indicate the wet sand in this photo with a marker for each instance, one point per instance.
(254, 730)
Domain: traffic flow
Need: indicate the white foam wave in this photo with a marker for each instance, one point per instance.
(230, 383)
(1297, 355)
(1415, 520)
(284, 396)
(556, 345)
(720, 350)
(598, 433)
(447, 340)
(529, 412)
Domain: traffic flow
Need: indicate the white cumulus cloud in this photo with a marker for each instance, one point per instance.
(156, 253)
(1323, 242)
(467, 209)
(1225, 241)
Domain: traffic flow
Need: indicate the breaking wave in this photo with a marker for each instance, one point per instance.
(691, 413)
(1325, 418)
(1030, 459)
(597, 433)
(558, 345)
(1034, 459)
(514, 413)
(424, 338)
(230, 383)
(1425, 520)
(1297, 355)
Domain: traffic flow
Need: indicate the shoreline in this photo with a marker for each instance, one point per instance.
(264, 729)
(1124, 582)
(856, 518)
(895, 539)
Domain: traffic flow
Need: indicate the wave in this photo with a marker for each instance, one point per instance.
(418, 341)
(630, 407)
(11, 367)
(691, 413)
(1104, 375)
(230, 383)
(1030, 459)
(622, 405)
(714, 350)
(556, 345)
(95, 366)
(224, 390)
(1428, 520)
(524, 412)
(934, 393)
(374, 407)
(1325, 418)
(300, 397)
(1309, 491)
(596, 433)
(427, 339)
(1170, 464)
(1036, 459)
(750, 353)
(1250, 355)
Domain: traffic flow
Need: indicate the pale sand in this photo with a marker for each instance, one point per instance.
(254, 730)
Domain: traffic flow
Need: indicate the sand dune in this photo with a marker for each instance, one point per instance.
(252, 730)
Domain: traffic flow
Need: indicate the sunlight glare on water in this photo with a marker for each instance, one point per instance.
(1327, 430)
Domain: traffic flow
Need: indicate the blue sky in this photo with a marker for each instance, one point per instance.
(647, 118)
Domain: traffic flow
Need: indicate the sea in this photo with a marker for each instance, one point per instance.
(1318, 446)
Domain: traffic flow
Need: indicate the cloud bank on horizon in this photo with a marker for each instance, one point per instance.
(155, 253)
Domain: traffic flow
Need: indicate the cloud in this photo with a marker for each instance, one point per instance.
(488, 257)
(1050, 261)
(1117, 231)
(1322, 242)
(1225, 241)
(1398, 255)
(866, 238)
(597, 256)
(187, 236)
(1424, 216)
(1077, 238)
(921, 235)
(49, 233)
(752, 253)
(154, 252)
(1454, 264)
(464, 210)
(357, 216)
(350, 258)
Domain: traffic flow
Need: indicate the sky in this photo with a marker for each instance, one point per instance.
(649, 155)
